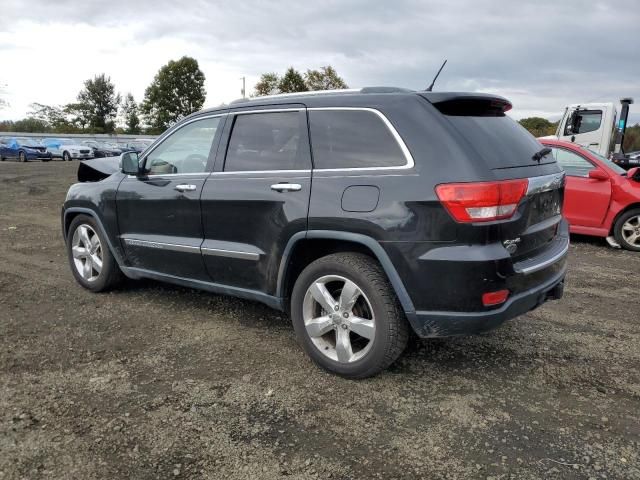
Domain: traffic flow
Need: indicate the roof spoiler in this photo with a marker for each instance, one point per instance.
(468, 104)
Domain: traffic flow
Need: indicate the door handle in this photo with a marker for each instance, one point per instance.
(183, 187)
(286, 187)
(593, 144)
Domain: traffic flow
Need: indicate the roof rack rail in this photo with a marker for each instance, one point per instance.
(326, 92)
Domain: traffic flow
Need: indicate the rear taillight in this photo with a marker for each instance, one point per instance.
(482, 201)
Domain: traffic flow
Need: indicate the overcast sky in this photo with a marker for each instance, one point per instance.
(542, 55)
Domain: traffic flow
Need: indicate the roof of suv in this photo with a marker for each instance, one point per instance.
(351, 97)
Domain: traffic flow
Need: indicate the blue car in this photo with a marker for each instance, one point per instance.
(23, 149)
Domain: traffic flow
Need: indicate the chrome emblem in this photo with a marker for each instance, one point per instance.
(511, 245)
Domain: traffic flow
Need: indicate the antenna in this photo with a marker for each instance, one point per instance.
(430, 87)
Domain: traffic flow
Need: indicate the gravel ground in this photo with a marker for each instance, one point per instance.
(156, 381)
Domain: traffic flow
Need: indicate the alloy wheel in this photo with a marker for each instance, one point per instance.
(338, 318)
(87, 252)
(631, 231)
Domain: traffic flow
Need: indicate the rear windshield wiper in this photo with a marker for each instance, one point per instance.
(538, 155)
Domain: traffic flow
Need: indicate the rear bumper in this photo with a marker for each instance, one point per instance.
(444, 324)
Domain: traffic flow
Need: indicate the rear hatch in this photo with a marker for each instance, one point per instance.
(509, 152)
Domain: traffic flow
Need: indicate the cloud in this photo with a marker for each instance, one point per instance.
(542, 55)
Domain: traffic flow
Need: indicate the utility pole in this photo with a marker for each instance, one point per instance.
(243, 87)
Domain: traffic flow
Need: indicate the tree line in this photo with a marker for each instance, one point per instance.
(176, 91)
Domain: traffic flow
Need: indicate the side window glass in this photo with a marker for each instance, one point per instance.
(184, 151)
(352, 139)
(572, 163)
(588, 121)
(268, 141)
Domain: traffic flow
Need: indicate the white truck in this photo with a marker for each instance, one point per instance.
(598, 127)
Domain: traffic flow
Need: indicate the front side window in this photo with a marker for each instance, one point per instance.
(572, 163)
(352, 139)
(184, 151)
(268, 141)
(588, 121)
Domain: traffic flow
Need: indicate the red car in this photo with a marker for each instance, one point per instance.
(601, 199)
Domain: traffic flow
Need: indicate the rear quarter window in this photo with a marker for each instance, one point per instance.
(344, 138)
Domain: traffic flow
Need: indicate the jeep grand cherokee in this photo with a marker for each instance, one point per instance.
(363, 214)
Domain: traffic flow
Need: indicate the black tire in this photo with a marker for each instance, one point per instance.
(66, 157)
(391, 327)
(110, 275)
(618, 229)
(22, 157)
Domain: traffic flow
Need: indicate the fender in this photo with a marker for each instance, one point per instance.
(370, 243)
(87, 211)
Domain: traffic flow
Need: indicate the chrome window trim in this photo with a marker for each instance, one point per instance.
(545, 183)
(160, 140)
(410, 163)
(262, 172)
(267, 110)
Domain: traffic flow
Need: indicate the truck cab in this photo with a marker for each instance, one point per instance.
(591, 125)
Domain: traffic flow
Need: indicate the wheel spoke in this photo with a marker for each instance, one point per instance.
(316, 327)
(95, 242)
(321, 295)
(343, 345)
(79, 252)
(632, 239)
(84, 236)
(96, 262)
(86, 268)
(349, 295)
(362, 327)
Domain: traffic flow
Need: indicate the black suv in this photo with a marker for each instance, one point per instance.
(363, 214)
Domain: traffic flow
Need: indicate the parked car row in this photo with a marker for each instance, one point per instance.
(24, 149)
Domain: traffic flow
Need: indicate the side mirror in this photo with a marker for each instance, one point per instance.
(598, 175)
(634, 174)
(130, 163)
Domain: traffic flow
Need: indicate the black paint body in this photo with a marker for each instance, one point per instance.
(439, 268)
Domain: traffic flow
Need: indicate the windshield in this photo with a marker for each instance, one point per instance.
(616, 168)
(27, 141)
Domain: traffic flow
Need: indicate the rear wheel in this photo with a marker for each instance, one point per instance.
(66, 156)
(91, 261)
(22, 157)
(627, 230)
(347, 317)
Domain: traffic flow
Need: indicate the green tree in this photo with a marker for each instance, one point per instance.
(292, 82)
(30, 125)
(324, 79)
(267, 85)
(55, 117)
(176, 91)
(538, 127)
(632, 138)
(130, 114)
(97, 104)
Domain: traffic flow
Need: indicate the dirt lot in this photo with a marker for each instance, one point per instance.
(156, 381)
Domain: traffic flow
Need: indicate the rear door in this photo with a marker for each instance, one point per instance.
(586, 200)
(159, 213)
(258, 196)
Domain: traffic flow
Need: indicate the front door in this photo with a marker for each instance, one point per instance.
(159, 212)
(257, 198)
(586, 200)
(590, 131)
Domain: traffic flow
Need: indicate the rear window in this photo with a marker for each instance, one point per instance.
(353, 139)
(499, 140)
(268, 141)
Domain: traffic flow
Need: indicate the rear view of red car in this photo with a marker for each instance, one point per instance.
(601, 199)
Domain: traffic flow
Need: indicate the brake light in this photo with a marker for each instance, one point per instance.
(490, 299)
(482, 201)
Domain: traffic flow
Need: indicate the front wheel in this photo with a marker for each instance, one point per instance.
(66, 156)
(346, 315)
(91, 261)
(22, 157)
(627, 230)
